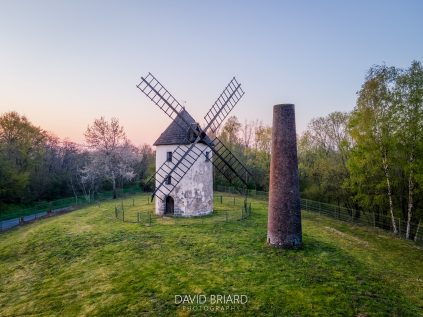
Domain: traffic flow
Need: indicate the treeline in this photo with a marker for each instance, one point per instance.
(369, 159)
(35, 165)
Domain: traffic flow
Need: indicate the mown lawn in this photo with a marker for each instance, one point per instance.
(88, 263)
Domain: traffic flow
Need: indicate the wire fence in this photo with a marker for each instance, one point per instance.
(20, 216)
(226, 209)
(229, 207)
(359, 217)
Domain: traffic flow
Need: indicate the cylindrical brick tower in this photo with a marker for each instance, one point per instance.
(284, 219)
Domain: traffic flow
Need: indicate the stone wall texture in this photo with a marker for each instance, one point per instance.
(284, 218)
(193, 196)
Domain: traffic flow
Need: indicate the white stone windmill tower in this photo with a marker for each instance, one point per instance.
(185, 154)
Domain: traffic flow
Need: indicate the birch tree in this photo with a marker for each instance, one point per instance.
(372, 129)
(410, 132)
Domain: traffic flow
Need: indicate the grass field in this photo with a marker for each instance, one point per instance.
(88, 263)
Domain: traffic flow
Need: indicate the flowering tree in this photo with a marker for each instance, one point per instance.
(112, 157)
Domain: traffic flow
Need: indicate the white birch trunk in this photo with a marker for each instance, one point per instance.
(410, 197)
(388, 185)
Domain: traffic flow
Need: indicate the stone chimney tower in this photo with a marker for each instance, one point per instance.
(284, 219)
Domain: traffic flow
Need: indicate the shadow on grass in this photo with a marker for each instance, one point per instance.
(112, 268)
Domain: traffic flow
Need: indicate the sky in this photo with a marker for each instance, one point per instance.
(65, 63)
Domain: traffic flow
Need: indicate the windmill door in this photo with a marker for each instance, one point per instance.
(169, 210)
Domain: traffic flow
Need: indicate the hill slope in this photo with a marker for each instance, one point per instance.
(88, 263)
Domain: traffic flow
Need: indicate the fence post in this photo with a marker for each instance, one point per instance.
(138, 217)
(221, 199)
(306, 204)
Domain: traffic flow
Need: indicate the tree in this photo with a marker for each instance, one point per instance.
(73, 161)
(322, 151)
(372, 130)
(230, 131)
(410, 121)
(145, 167)
(110, 159)
(21, 150)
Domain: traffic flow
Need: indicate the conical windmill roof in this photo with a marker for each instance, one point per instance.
(175, 134)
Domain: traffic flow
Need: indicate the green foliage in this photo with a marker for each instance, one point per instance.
(387, 131)
(251, 144)
(372, 158)
(89, 263)
(37, 166)
(21, 150)
(322, 154)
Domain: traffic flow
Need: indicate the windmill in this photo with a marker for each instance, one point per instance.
(196, 142)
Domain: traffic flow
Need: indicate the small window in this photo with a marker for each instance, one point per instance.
(169, 156)
(207, 156)
(169, 180)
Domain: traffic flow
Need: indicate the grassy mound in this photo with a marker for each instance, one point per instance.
(89, 263)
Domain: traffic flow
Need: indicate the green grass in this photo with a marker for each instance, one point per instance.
(88, 263)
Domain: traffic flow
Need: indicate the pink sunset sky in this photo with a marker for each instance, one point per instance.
(65, 63)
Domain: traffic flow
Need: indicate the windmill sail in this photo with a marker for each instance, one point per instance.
(155, 91)
(186, 155)
(227, 164)
(224, 104)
